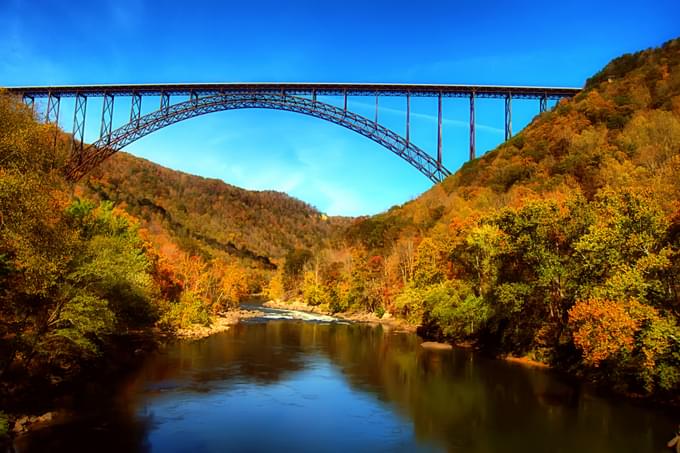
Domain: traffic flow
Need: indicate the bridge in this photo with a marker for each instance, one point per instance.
(192, 100)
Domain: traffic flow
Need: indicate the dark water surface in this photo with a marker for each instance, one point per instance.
(294, 386)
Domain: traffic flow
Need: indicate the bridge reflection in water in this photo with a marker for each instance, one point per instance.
(294, 97)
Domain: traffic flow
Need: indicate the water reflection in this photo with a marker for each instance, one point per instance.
(301, 386)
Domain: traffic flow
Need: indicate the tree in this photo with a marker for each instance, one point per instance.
(602, 330)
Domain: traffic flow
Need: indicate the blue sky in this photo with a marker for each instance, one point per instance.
(481, 42)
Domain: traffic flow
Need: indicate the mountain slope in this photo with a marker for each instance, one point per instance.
(207, 216)
(620, 131)
(562, 244)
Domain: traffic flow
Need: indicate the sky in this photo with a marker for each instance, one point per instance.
(71, 42)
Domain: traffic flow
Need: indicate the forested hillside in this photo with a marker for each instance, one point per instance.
(562, 244)
(207, 217)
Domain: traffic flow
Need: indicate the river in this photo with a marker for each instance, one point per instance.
(311, 385)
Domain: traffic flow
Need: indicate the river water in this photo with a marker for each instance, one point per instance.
(308, 385)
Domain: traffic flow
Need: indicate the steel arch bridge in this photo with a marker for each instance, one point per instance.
(292, 97)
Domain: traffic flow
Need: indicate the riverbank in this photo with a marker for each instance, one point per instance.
(391, 322)
(221, 390)
(128, 351)
(387, 320)
(219, 323)
(525, 361)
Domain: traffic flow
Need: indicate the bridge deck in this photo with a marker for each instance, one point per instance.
(319, 89)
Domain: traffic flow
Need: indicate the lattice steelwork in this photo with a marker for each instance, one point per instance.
(30, 102)
(107, 119)
(305, 89)
(79, 115)
(209, 97)
(165, 101)
(135, 108)
(127, 134)
(52, 112)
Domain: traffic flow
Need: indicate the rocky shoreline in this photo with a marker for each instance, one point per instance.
(387, 320)
(219, 323)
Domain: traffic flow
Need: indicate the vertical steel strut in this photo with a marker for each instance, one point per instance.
(376, 109)
(79, 114)
(53, 104)
(508, 116)
(30, 102)
(165, 101)
(107, 118)
(439, 130)
(472, 126)
(345, 96)
(408, 118)
(135, 108)
(543, 103)
(52, 113)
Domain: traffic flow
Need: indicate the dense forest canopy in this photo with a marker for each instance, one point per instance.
(206, 215)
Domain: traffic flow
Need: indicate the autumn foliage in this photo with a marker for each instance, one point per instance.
(562, 244)
(602, 330)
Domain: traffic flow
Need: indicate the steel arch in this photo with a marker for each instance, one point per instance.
(142, 126)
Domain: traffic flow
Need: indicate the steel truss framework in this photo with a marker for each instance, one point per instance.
(206, 98)
(304, 89)
(165, 116)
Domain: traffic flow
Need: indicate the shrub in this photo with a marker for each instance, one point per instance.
(4, 426)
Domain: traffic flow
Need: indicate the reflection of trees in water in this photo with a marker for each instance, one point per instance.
(263, 352)
(112, 429)
(461, 399)
(454, 398)
(457, 398)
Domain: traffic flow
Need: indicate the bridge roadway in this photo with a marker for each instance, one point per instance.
(304, 89)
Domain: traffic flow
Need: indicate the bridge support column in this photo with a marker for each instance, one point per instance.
(79, 126)
(193, 97)
(508, 116)
(165, 101)
(345, 100)
(408, 118)
(107, 118)
(376, 109)
(52, 113)
(30, 102)
(543, 104)
(439, 129)
(472, 126)
(136, 108)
